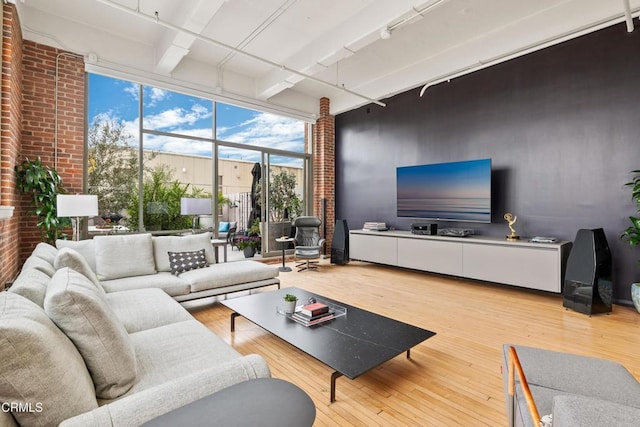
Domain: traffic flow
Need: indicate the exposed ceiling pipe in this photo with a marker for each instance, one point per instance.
(156, 19)
(628, 16)
(523, 51)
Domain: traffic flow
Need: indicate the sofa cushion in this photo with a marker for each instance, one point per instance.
(39, 364)
(46, 252)
(80, 310)
(223, 226)
(162, 245)
(185, 261)
(31, 284)
(124, 256)
(571, 410)
(169, 283)
(86, 248)
(227, 274)
(580, 375)
(71, 258)
(35, 262)
(176, 350)
(159, 309)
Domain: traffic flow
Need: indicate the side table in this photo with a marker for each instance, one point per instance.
(261, 402)
(218, 243)
(283, 242)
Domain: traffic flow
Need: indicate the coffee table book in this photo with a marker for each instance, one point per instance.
(311, 321)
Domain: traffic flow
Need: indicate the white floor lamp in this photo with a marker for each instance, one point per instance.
(76, 206)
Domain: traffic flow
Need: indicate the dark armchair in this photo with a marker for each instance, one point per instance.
(308, 245)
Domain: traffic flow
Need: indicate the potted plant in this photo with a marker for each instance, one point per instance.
(284, 206)
(43, 184)
(290, 303)
(248, 244)
(632, 234)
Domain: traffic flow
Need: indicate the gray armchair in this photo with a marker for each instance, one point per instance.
(308, 245)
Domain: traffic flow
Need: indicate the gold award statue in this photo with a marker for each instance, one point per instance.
(511, 220)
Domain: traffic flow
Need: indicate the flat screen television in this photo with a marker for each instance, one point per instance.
(456, 191)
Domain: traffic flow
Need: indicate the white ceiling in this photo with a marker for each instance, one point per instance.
(283, 55)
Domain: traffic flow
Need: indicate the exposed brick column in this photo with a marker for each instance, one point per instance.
(10, 140)
(324, 168)
(38, 122)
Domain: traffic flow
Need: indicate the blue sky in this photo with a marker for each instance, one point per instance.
(174, 112)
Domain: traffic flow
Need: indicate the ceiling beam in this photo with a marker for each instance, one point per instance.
(179, 44)
(344, 40)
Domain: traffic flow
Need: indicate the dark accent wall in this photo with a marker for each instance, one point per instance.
(561, 125)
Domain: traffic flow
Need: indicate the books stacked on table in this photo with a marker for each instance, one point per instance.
(313, 314)
(375, 226)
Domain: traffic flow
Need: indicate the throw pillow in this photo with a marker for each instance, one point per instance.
(189, 243)
(223, 227)
(40, 365)
(185, 261)
(71, 258)
(86, 248)
(82, 313)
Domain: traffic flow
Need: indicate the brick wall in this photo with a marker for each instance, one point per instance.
(28, 114)
(40, 64)
(324, 168)
(10, 139)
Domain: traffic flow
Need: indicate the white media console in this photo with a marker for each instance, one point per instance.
(519, 263)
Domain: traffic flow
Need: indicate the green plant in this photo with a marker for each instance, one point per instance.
(632, 234)
(290, 298)
(254, 230)
(161, 200)
(43, 184)
(284, 203)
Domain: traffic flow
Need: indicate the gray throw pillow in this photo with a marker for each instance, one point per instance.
(185, 261)
(38, 364)
(86, 248)
(71, 258)
(82, 313)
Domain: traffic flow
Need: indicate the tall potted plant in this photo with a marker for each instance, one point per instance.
(632, 233)
(43, 184)
(284, 205)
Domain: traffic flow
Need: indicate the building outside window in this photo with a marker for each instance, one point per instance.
(140, 170)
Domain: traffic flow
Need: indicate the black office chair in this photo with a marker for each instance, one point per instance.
(307, 244)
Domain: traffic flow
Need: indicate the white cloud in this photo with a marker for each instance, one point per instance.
(172, 118)
(157, 95)
(133, 89)
(267, 130)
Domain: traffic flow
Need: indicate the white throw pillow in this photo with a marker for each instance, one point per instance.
(86, 248)
(77, 307)
(40, 365)
(71, 258)
(124, 256)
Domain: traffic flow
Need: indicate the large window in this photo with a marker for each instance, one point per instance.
(150, 147)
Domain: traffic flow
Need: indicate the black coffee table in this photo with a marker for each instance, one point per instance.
(351, 345)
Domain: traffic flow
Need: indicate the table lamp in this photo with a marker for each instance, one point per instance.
(76, 206)
(195, 206)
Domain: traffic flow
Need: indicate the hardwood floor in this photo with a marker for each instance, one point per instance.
(451, 379)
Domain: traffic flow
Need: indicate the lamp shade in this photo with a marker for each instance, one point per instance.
(76, 205)
(195, 206)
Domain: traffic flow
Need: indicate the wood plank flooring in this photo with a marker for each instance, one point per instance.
(452, 379)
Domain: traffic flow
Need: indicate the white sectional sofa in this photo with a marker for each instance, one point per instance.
(124, 262)
(75, 355)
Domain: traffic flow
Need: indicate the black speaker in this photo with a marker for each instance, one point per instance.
(340, 243)
(588, 287)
